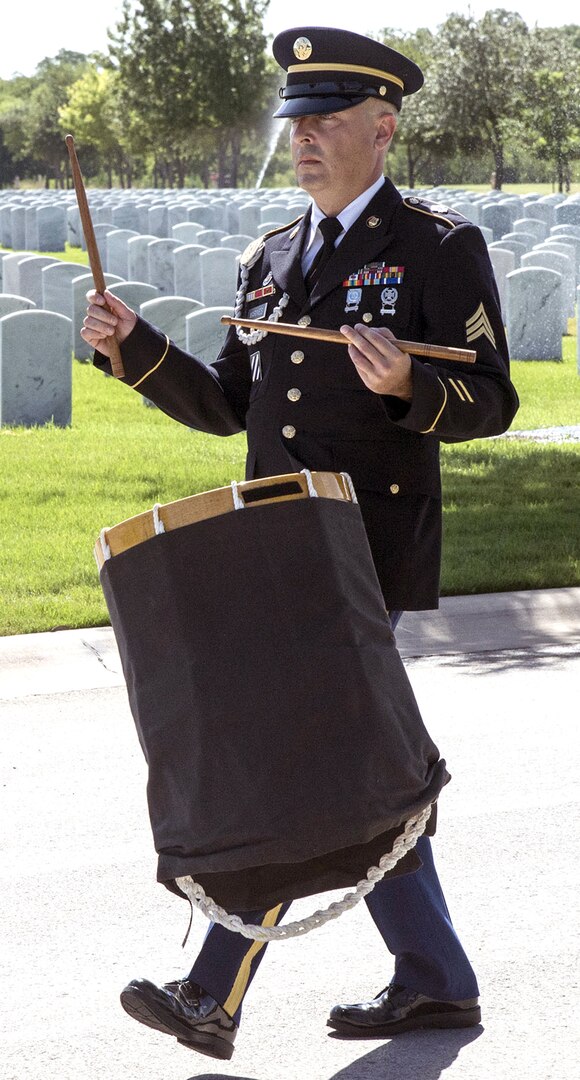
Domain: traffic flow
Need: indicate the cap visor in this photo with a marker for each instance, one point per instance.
(312, 106)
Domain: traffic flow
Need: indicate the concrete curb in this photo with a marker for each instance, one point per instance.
(73, 660)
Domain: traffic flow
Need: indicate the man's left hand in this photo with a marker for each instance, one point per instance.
(381, 366)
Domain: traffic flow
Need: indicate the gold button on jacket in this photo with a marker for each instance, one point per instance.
(288, 431)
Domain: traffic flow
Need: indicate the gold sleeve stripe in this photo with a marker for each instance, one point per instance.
(438, 417)
(241, 981)
(457, 390)
(154, 368)
(465, 391)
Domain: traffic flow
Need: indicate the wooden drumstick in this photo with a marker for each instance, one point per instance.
(315, 333)
(92, 249)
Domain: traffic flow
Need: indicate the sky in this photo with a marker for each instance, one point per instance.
(34, 29)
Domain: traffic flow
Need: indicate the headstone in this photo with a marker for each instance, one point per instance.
(527, 239)
(497, 218)
(161, 268)
(567, 245)
(565, 230)
(503, 262)
(57, 286)
(10, 304)
(540, 211)
(134, 293)
(51, 228)
(219, 276)
(101, 231)
(31, 228)
(169, 313)
(205, 334)
(29, 275)
(510, 245)
(6, 225)
(158, 223)
(210, 237)
(138, 257)
(534, 314)
(18, 226)
(35, 369)
(186, 232)
(78, 298)
(562, 265)
(568, 213)
(74, 232)
(486, 233)
(237, 242)
(126, 216)
(578, 336)
(249, 218)
(11, 271)
(532, 226)
(118, 252)
(187, 273)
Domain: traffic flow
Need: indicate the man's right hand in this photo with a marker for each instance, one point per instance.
(100, 323)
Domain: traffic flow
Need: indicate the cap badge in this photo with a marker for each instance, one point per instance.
(302, 48)
(373, 221)
(382, 90)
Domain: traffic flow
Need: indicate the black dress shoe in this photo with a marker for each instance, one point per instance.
(182, 1009)
(397, 1009)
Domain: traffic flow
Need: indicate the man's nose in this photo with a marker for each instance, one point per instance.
(302, 129)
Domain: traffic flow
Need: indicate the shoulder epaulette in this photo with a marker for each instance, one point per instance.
(256, 247)
(443, 213)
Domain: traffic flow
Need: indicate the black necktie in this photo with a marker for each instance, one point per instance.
(330, 228)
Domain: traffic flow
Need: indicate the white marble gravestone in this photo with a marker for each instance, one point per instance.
(534, 314)
(205, 334)
(35, 369)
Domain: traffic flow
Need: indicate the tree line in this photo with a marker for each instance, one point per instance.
(186, 91)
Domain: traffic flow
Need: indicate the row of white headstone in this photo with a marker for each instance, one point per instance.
(184, 287)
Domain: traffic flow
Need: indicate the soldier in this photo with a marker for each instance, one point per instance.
(379, 267)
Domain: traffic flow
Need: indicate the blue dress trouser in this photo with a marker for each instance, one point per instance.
(410, 913)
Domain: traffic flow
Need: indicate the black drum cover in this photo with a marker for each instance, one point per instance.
(284, 744)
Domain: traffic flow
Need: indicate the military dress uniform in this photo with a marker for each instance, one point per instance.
(423, 271)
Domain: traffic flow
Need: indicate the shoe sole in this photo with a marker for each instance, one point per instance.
(145, 1013)
(464, 1019)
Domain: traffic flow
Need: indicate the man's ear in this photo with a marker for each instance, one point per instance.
(386, 127)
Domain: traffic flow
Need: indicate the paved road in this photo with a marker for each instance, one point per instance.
(81, 913)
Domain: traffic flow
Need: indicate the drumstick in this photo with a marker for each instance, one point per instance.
(315, 333)
(92, 249)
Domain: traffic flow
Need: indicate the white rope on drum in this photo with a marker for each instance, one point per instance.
(157, 522)
(405, 841)
(239, 503)
(309, 483)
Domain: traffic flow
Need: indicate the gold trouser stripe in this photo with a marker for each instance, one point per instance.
(465, 391)
(154, 368)
(456, 388)
(434, 424)
(352, 68)
(241, 981)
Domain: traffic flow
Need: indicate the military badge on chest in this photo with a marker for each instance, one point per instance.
(362, 286)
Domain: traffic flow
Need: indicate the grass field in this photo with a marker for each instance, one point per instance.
(511, 507)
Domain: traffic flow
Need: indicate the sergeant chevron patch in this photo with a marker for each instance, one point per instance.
(478, 324)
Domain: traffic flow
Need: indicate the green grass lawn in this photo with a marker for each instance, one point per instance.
(511, 507)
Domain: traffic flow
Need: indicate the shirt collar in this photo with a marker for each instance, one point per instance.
(348, 216)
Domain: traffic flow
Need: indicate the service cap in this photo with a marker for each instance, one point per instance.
(329, 70)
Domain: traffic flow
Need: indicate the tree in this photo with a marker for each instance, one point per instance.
(189, 67)
(43, 139)
(92, 113)
(479, 76)
(426, 142)
(552, 115)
